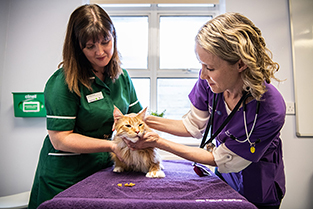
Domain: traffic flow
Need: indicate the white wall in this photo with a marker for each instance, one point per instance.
(31, 41)
(31, 38)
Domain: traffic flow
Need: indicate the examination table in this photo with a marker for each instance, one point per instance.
(181, 188)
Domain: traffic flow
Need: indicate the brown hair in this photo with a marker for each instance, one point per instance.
(86, 22)
(232, 36)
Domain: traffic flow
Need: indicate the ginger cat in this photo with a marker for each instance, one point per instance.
(132, 127)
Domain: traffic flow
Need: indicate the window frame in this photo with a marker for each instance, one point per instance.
(153, 71)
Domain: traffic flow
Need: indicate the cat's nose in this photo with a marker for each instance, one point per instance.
(136, 132)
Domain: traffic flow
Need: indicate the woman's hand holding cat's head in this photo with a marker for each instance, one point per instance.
(148, 140)
(133, 146)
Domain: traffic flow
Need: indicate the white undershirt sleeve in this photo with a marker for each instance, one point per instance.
(195, 121)
(227, 161)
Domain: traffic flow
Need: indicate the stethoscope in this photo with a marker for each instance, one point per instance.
(201, 170)
(248, 133)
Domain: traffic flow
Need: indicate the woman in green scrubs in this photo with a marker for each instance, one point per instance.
(79, 99)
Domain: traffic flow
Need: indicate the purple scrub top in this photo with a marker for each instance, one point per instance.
(263, 181)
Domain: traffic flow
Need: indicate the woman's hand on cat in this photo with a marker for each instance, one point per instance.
(130, 144)
(148, 140)
(116, 151)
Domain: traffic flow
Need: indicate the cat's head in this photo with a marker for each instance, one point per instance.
(131, 127)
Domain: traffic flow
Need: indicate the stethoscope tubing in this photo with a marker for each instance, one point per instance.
(210, 123)
(248, 134)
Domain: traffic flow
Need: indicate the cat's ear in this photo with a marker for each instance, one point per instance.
(117, 114)
(142, 113)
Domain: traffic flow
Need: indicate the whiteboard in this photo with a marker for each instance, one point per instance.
(301, 20)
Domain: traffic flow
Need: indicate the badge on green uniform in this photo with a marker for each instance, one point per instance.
(94, 97)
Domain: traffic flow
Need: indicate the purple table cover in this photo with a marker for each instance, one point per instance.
(181, 188)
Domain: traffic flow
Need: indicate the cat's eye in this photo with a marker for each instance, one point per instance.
(140, 124)
(128, 126)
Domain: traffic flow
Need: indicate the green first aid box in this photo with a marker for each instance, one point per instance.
(29, 104)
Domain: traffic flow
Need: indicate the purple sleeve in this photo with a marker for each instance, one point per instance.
(199, 95)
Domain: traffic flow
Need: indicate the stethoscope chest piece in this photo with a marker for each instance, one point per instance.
(252, 149)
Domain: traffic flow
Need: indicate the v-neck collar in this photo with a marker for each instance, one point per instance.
(106, 83)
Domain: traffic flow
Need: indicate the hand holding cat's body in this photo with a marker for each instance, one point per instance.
(130, 128)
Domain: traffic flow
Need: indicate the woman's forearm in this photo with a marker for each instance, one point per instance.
(175, 127)
(72, 142)
(194, 154)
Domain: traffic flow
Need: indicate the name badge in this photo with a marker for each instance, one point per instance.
(94, 97)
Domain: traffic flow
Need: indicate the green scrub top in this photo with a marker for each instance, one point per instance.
(89, 115)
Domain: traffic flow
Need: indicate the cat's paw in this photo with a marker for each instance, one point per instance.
(118, 170)
(155, 174)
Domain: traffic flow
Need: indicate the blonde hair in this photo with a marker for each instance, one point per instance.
(232, 36)
(87, 22)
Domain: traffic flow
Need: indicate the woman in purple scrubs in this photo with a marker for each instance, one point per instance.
(248, 154)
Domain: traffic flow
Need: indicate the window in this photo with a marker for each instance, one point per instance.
(156, 43)
(132, 36)
(177, 34)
